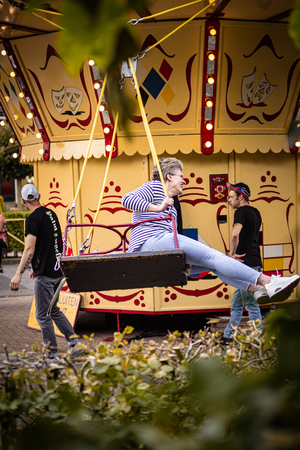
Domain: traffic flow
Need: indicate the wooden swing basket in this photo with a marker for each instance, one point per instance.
(115, 269)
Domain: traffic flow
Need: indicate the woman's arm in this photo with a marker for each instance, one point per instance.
(139, 199)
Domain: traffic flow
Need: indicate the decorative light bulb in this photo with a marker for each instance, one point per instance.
(209, 103)
(103, 106)
(15, 155)
(106, 130)
(211, 56)
(41, 151)
(91, 62)
(12, 74)
(30, 115)
(208, 144)
(21, 94)
(38, 135)
(212, 31)
(209, 126)
(97, 86)
(2, 123)
(108, 148)
(297, 144)
(11, 140)
(3, 52)
(210, 80)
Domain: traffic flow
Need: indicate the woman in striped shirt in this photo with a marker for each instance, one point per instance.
(149, 201)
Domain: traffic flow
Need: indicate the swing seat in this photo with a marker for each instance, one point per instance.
(87, 273)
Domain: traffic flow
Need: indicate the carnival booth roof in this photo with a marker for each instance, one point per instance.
(253, 96)
(16, 23)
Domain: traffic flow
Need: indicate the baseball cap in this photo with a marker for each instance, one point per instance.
(241, 188)
(29, 192)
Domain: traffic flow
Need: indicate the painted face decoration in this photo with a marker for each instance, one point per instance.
(58, 98)
(74, 99)
(263, 89)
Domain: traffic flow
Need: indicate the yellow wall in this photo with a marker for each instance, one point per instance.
(274, 185)
(250, 143)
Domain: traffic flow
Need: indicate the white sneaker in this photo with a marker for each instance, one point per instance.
(261, 296)
(280, 288)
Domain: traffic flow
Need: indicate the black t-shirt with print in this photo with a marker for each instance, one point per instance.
(250, 218)
(43, 223)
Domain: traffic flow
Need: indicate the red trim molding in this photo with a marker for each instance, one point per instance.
(21, 81)
(209, 87)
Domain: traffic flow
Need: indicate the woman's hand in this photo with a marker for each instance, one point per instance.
(168, 201)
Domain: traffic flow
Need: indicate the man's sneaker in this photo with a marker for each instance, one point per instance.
(280, 288)
(76, 350)
(261, 296)
(53, 361)
(225, 340)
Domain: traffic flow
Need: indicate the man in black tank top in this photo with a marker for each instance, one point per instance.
(244, 246)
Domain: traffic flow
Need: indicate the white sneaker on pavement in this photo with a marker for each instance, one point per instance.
(280, 288)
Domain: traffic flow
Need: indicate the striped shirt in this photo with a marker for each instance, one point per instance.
(138, 202)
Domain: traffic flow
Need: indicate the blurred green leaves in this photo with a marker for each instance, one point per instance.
(136, 395)
(294, 26)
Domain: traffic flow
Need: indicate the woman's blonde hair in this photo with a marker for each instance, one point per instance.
(167, 165)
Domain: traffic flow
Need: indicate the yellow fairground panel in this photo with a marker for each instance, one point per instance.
(67, 104)
(274, 184)
(14, 104)
(258, 84)
(201, 217)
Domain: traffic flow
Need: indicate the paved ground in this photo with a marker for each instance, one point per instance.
(14, 314)
(15, 307)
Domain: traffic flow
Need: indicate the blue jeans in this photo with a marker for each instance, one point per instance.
(240, 300)
(203, 258)
(44, 289)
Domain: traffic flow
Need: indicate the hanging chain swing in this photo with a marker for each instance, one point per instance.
(115, 269)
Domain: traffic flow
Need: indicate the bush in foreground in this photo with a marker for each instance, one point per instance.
(180, 394)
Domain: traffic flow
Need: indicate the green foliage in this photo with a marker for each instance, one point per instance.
(294, 26)
(182, 393)
(16, 228)
(98, 30)
(10, 168)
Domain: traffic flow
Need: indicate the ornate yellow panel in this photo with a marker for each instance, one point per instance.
(201, 215)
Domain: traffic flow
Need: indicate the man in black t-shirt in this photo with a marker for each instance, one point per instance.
(244, 246)
(43, 248)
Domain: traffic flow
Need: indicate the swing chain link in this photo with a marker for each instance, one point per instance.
(122, 81)
(71, 214)
(85, 245)
(65, 241)
(141, 55)
(134, 21)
